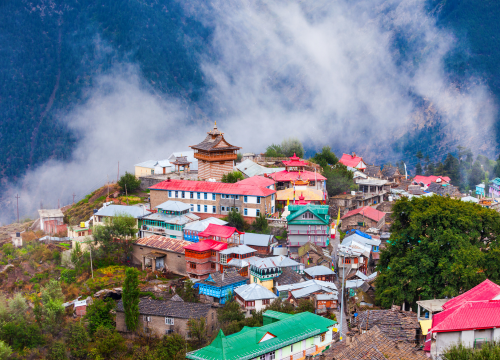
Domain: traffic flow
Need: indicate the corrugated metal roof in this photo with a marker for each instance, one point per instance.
(212, 187)
(257, 181)
(250, 168)
(115, 210)
(467, 316)
(257, 239)
(240, 250)
(201, 225)
(172, 205)
(219, 231)
(487, 290)
(300, 285)
(327, 297)
(177, 220)
(206, 245)
(254, 292)
(164, 243)
(350, 160)
(348, 240)
(285, 176)
(318, 271)
(367, 211)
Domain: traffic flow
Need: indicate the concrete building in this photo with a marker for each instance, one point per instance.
(230, 256)
(283, 336)
(160, 253)
(192, 230)
(52, 215)
(253, 297)
(263, 271)
(202, 258)
(215, 155)
(308, 223)
(169, 220)
(160, 317)
(363, 218)
(320, 272)
(107, 213)
(17, 240)
(153, 167)
(353, 161)
(214, 199)
(259, 242)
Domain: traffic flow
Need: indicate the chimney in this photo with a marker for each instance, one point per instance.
(168, 178)
(353, 154)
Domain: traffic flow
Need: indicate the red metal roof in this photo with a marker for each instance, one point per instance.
(469, 315)
(219, 230)
(295, 161)
(163, 243)
(426, 180)
(351, 160)
(367, 211)
(487, 290)
(205, 245)
(213, 187)
(285, 176)
(257, 181)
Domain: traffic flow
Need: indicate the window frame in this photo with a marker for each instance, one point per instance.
(169, 321)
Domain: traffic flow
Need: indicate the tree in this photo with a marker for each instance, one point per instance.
(438, 247)
(99, 314)
(5, 350)
(305, 305)
(230, 312)
(260, 225)
(325, 157)
(274, 150)
(171, 347)
(488, 350)
(281, 306)
(235, 219)
(239, 156)
(418, 169)
(338, 179)
(452, 169)
(77, 340)
(52, 309)
(57, 351)
(188, 292)
(130, 298)
(476, 174)
(496, 168)
(292, 146)
(232, 177)
(121, 226)
(419, 155)
(107, 343)
(198, 329)
(130, 182)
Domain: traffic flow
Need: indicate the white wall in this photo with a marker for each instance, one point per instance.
(250, 211)
(445, 340)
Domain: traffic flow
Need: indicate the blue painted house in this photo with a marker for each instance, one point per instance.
(480, 189)
(217, 286)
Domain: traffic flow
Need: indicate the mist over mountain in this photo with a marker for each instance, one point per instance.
(85, 84)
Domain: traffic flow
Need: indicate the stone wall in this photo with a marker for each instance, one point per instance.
(175, 262)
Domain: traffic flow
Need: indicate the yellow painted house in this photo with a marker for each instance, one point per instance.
(152, 167)
(263, 271)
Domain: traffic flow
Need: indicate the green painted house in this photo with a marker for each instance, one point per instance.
(283, 336)
(308, 223)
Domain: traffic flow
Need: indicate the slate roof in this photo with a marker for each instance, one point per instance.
(245, 345)
(175, 309)
(373, 171)
(257, 239)
(443, 189)
(254, 292)
(287, 277)
(396, 325)
(163, 243)
(319, 271)
(114, 210)
(190, 157)
(230, 277)
(374, 345)
(390, 171)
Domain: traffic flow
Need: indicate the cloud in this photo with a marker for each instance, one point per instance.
(327, 72)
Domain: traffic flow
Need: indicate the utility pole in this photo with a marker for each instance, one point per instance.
(17, 198)
(74, 198)
(342, 299)
(91, 268)
(126, 195)
(108, 184)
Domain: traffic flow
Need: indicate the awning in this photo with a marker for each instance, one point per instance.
(425, 325)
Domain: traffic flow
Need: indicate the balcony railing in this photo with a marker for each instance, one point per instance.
(308, 232)
(229, 156)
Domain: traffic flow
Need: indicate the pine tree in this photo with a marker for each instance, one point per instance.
(131, 298)
(418, 169)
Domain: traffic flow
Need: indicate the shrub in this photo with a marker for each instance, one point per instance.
(68, 276)
(5, 350)
(108, 342)
(77, 340)
(57, 351)
(98, 315)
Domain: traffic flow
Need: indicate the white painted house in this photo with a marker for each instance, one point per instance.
(253, 297)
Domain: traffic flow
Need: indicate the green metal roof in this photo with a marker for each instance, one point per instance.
(245, 344)
(320, 211)
(276, 315)
(496, 181)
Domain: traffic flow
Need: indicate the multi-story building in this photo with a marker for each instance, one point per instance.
(215, 199)
(107, 213)
(494, 190)
(192, 229)
(215, 155)
(169, 220)
(217, 287)
(240, 252)
(263, 271)
(202, 258)
(308, 223)
(296, 175)
(253, 297)
(283, 336)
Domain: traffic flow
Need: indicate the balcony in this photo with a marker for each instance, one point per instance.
(308, 232)
(225, 157)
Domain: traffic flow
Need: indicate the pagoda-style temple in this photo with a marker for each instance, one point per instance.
(181, 161)
(215, 155)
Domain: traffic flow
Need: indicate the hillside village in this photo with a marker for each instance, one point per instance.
(212, 253)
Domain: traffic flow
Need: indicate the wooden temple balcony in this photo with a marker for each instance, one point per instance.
(208, 157)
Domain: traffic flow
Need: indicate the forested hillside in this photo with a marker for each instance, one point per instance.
(51, 50)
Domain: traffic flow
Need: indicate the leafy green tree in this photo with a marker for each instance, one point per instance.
(52, 310)
(171, 347)
(188, 292)
(5, 350)
(260, 225)
(274, 150)
(235, 219)
(305, 305)
(130, 298)
(20, 335)
(281, 306)
(130, 182)
(77, 340)
(198, 330)
(325, 157)
(338, 179)
(239, 156)
(57, 351)
(121, 226)
(107, 343)
(232, 177)
(496, 168)
(292, 146)
(99, 314)
(230, 312)
(17, 308)
(438, 247)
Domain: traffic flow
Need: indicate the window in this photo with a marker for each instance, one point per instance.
(169, 193)
(213, 253)
(245, 211)
(258, 212)
(169, 321)
(323, 336)
(307, 215)
(213, 265)
(258, 199)
(272, 355)
(205, 208)
(355, 260)
(262, 357)
(237, 209)
(214, 209)
(192, 265)
(237, 197)
(213, 197)
(152, 172)
(191, 195)
(272, 210)
(168, 331)
(198, 207)
(176, 194)
(347, 260)
(245, 198)
(192, 207)
(265, 302)
(198, 195)
(222, 208)
(205, 196)
(147, 318)
(272, 197)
